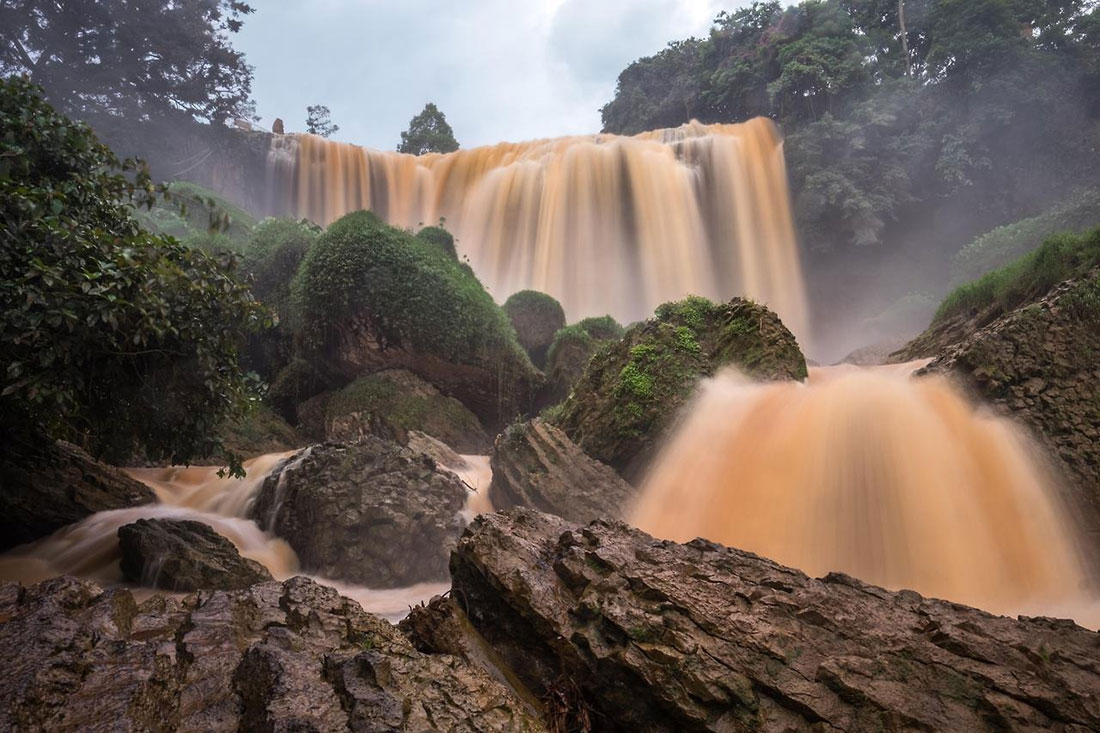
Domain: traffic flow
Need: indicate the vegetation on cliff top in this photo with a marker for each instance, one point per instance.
(1060, 257)
(536, 317)
(112, 337)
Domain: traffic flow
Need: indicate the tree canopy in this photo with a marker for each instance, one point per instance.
(428, 133)
(319, 121)
(110, 336)
(144, 60)
(946, 117)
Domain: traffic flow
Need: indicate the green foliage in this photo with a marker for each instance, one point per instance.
(584, 333)
(111, 336)
(319, 121)
(439, 237)
(428, 133)
(1059, 258)
(114, 58)
(1006, 243)
(198, 217)
(408, 290)
(1084, 301)
(272, 256)
(948, 123)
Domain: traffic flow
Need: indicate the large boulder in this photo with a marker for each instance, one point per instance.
(631, 392)
(536, 317)
(372, 297)
(1039, 363)
(372, 512)
(184, 555)
(648, 635)
(291, 656)
(390, 404)
(46, 485)
(535, 465)
(571, 350)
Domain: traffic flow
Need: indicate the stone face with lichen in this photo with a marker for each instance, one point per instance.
(631, 392)
(277, 656)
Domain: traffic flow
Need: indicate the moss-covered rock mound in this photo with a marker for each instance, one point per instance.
(573, 346)
(440, 238)
(536, 317)
(371, 297)
(631, 392)
(392, 403)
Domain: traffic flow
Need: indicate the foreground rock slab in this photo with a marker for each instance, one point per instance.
(536, 466)
(291, 656)
(652, 636)
(183, 555)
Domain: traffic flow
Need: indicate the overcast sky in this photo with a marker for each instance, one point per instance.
(499, 69)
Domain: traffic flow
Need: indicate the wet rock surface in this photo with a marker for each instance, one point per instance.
(184, 555)
(631, 393)
(371, 512)
(291, 656)
(655, 636)
(1040, 364)
(535, 465)
(46, 485)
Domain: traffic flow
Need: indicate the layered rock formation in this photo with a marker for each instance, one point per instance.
(644, 635)
(1039, 363)
(631, 392)
(535, 465)
(291, 656)
(183, 555)
(46, 485)
(372, 512)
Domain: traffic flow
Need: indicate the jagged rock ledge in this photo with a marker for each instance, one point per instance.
(277, 656)
(651, 636)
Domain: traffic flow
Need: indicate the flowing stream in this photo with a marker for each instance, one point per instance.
(90, 548)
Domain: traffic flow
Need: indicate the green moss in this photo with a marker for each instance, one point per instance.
(408, 290)
(1059, 258)
(260, 431)
(536, 318)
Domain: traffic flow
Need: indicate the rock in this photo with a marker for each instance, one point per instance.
(631, 393)
(373, 512)
(536, 317)
(391, 403)
(571, 351)
(277, 126)
(647, 635)
(183, 555)
(1038, 364)
(260, 431)
(535, 465)
(277, 656)
(46, 485)
(375, 298)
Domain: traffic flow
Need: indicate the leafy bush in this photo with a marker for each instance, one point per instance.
(199, 218)
(1059, 258)
(440, 237)
(536, 317)
(408, 290)
(1002, 245)
(110, 336)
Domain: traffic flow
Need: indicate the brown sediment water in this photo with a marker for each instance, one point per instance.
(604, 223)
(90, 549)
(898, 481)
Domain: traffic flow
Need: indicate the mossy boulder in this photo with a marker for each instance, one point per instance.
(573, 346)
(536, 317)
(631, 392)
(372, 297)
(294, 384)
(260, 431)
(394, 402)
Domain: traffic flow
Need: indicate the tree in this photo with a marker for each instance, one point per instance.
(134, 58)
(428, 133)
(110, 337)
(319, 121)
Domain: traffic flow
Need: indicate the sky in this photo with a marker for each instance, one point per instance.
(501, 70)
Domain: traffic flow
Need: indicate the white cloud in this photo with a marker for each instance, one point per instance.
(499, 69)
